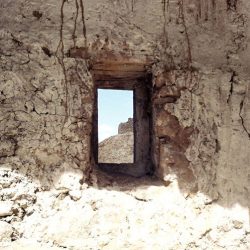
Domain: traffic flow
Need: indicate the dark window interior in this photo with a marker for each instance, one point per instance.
(142, 127)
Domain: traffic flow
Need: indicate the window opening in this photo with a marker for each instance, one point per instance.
(115, 126)
(140, 89)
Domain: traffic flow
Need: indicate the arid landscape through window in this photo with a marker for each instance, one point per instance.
(115, 126)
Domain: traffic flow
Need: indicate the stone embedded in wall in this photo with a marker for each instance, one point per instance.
(17, 194)
(6, 208)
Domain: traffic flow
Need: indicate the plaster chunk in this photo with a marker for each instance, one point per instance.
(68, 178)
(5, 231)
(75, 195)
(6, 208)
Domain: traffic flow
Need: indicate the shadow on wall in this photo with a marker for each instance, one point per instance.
(196, 144)
(45, 130)
(190, 145)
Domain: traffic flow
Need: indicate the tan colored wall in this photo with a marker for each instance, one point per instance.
(198, 54)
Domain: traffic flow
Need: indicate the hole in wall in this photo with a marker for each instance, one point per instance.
(139, 100)
(115, 126)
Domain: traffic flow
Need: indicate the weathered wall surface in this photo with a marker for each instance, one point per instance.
(43, 119)
(199, 56)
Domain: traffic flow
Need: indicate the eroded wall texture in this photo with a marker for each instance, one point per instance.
(197, 52)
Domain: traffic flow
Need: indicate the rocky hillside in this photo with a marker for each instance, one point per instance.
(126, 127)
(118, 148)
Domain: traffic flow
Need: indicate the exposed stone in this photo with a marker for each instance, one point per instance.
(69, 180)
(237, 224)
(126, 127)
(6, 231)
(6, 208)
(75, 195)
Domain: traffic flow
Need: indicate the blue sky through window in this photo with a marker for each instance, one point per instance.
(114, 107)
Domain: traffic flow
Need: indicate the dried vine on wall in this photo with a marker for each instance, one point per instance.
(84, 30)
(60, 53)
(84, 33)
(132, 5)
(165, 8)
(75, 23)
(182, 17)
(241, 117)
(60, 58)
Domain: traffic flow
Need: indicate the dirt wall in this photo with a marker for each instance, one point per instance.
(197, 52)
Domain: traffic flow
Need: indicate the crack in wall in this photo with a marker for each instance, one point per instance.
(16, 41)
(84, 30)
(75, 23)
(61, 60)
(232, 5)
(165, 8)
(79, 8)
(232, 80)
(47, 51)
(132, 5)
(214, 6)
(129, 23)
(241, 117)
